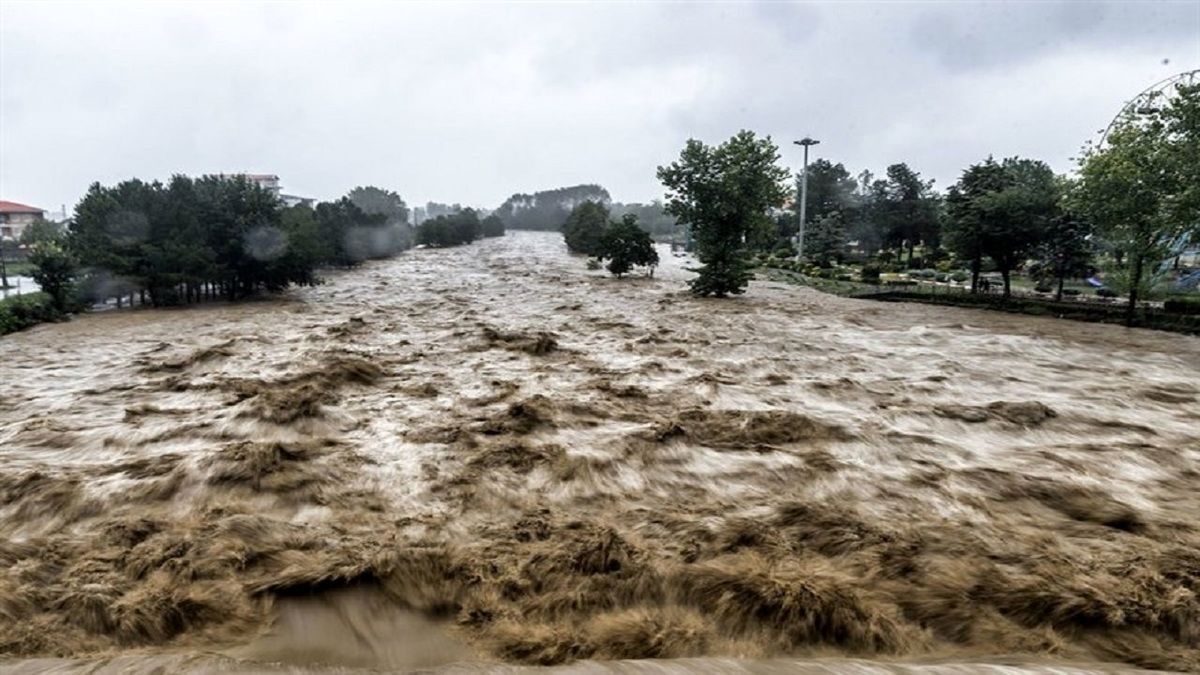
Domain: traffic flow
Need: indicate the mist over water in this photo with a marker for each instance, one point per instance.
(486, 455)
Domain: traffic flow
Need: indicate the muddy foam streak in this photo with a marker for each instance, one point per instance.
(489, 456)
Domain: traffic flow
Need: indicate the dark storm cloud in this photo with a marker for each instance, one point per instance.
(471, 102)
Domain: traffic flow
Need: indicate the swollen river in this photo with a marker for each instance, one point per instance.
(487, 457)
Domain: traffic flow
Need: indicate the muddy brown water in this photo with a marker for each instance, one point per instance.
(487, 458)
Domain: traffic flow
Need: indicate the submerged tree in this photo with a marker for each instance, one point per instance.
(625, 245)
(724, 193)
(492, 226)
(584, 227)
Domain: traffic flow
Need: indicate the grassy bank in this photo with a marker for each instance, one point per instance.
(22, 311)
(1075, 310)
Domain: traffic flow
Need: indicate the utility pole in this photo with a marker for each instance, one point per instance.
(806, 141)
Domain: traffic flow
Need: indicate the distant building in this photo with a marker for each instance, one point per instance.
(270, 182)
(293, 200)
(14, 218)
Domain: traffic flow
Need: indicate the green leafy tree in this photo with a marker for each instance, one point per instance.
(624, 245)
(393, 233)
(584, 227)
(456, 229)
(492, 226)
(377, 201)
(825, 241)
(724, 194)
(968, 213)
(55, 269)
(1065, 250)
(1140, 188)
(907, 210)
(41, 230)
(1018, 214)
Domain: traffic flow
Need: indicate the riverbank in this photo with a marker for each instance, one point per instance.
(1150, 315)
(548, 465)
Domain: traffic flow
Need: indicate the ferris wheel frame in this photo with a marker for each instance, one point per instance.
(1145, 101)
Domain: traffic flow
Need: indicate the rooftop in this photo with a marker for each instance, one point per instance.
(14, 207)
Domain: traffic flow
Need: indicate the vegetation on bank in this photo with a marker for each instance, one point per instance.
(195, 239)
(1128, 214)
(221, 237)
(22, 311)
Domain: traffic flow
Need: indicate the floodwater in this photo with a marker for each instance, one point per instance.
(488, 457)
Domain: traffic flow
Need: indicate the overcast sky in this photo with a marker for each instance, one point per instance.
(472, 102)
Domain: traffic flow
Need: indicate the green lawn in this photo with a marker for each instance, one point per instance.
(18, 269)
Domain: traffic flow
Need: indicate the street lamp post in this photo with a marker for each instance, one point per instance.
(806, 141)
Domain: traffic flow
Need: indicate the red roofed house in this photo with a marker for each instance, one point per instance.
(15, 217)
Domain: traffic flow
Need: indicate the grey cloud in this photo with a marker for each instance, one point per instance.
(966, 36)
(471, 102)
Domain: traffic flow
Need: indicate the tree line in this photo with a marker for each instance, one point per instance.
(194, 239)
(1132, 202)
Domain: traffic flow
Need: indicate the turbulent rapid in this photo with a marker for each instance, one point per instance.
(489, 457)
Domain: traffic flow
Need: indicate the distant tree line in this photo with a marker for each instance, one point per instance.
(548, 209)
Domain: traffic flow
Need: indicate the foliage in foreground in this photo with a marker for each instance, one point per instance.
(22, 311)
(724, 194)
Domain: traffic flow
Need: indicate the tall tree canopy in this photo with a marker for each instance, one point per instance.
(1140, 189)
(725, 194)
(907, 210)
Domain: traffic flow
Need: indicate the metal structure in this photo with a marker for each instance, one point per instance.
(806, 141)
(1151, 99)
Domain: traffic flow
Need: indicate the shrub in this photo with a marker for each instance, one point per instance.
(1075, 291)
(960, 277)
(942, 277)
(845, 277)
(1043, 288)
(1184, 305)
(1102, 292)
(899, 282)
(869, 274)
(593, 264)
(22, 311)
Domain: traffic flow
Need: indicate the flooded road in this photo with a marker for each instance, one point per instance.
(488, 455)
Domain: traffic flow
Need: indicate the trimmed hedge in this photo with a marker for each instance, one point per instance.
(1189, 306)
(22, 311)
